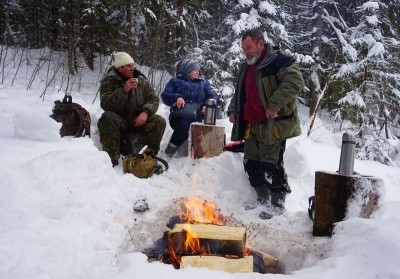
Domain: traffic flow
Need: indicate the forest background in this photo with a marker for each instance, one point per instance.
(348, 50)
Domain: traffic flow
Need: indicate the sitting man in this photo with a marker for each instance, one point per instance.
(129, 103)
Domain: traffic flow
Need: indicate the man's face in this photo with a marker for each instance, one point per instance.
(126, 71)
(252, 50)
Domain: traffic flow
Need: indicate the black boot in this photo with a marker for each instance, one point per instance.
(263, 194)
(278, 202)
(114, 162)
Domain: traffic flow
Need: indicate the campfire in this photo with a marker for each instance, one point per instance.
(199, 237)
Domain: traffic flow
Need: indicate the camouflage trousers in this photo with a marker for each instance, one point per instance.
(113, 128)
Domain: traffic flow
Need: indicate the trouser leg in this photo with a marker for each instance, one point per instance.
(270, 158)
(181, 128)
(111, 127)
(257, 180)
(152, 132)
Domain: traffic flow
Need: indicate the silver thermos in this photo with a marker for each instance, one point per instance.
(346, 165)
(211, 107)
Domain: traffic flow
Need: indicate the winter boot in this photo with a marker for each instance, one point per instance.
(265, 215)
(263, 194)
(114, 162)
(171, 149)
(278, 202)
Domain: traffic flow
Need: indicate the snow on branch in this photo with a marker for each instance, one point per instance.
(347, 49)
(352, 98)
(265, 6)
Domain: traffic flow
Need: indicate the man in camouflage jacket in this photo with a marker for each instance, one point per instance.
(264, 112)
(130, 105)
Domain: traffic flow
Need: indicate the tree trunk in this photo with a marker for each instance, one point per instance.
(316, 48)
(128, 40)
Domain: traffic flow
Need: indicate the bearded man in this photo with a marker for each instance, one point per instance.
(264, 114)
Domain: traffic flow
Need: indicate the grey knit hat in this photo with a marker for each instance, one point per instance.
(185, 66)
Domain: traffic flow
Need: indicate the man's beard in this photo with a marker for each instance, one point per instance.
(254, 59)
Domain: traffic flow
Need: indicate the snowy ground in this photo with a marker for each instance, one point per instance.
(66, 213)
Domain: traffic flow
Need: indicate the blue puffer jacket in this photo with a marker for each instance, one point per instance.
(188, 89)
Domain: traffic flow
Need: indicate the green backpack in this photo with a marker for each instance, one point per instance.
(144, 164)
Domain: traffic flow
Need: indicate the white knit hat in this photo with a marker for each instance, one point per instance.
(122, 58)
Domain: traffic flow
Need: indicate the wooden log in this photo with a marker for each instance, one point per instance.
(206, 140)
(219, 263)
(335, 192)
(266, 258)
(214, 239)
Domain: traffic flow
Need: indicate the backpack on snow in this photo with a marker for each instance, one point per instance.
(74, 118)
(143, 164)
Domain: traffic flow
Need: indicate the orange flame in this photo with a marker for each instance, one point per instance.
(193, 210)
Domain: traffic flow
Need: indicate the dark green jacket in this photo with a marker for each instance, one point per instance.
(127, 105)
(279, 80)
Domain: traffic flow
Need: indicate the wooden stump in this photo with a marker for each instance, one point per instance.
(338, 196)
(206, 140)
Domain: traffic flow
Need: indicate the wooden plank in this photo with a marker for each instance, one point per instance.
(219, 263)
(206, 140)
(266, 258)
(221, 240)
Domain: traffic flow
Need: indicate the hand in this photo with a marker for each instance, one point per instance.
(141, 119)
(130, 83)
(203, 110)
(232, 117)
(271, 113)
(180, 102)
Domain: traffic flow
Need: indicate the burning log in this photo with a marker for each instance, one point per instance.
(199, 238)
(219, 263)
(207, 239)
(266, 259)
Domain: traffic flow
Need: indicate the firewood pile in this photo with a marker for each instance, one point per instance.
(202, 239)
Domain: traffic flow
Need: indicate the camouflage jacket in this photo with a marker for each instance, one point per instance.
(279, 81)
(127, 105)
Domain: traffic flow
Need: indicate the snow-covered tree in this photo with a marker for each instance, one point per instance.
(368, 84)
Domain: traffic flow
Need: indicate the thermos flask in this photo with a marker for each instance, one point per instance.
(346, 165)
(210, 112)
